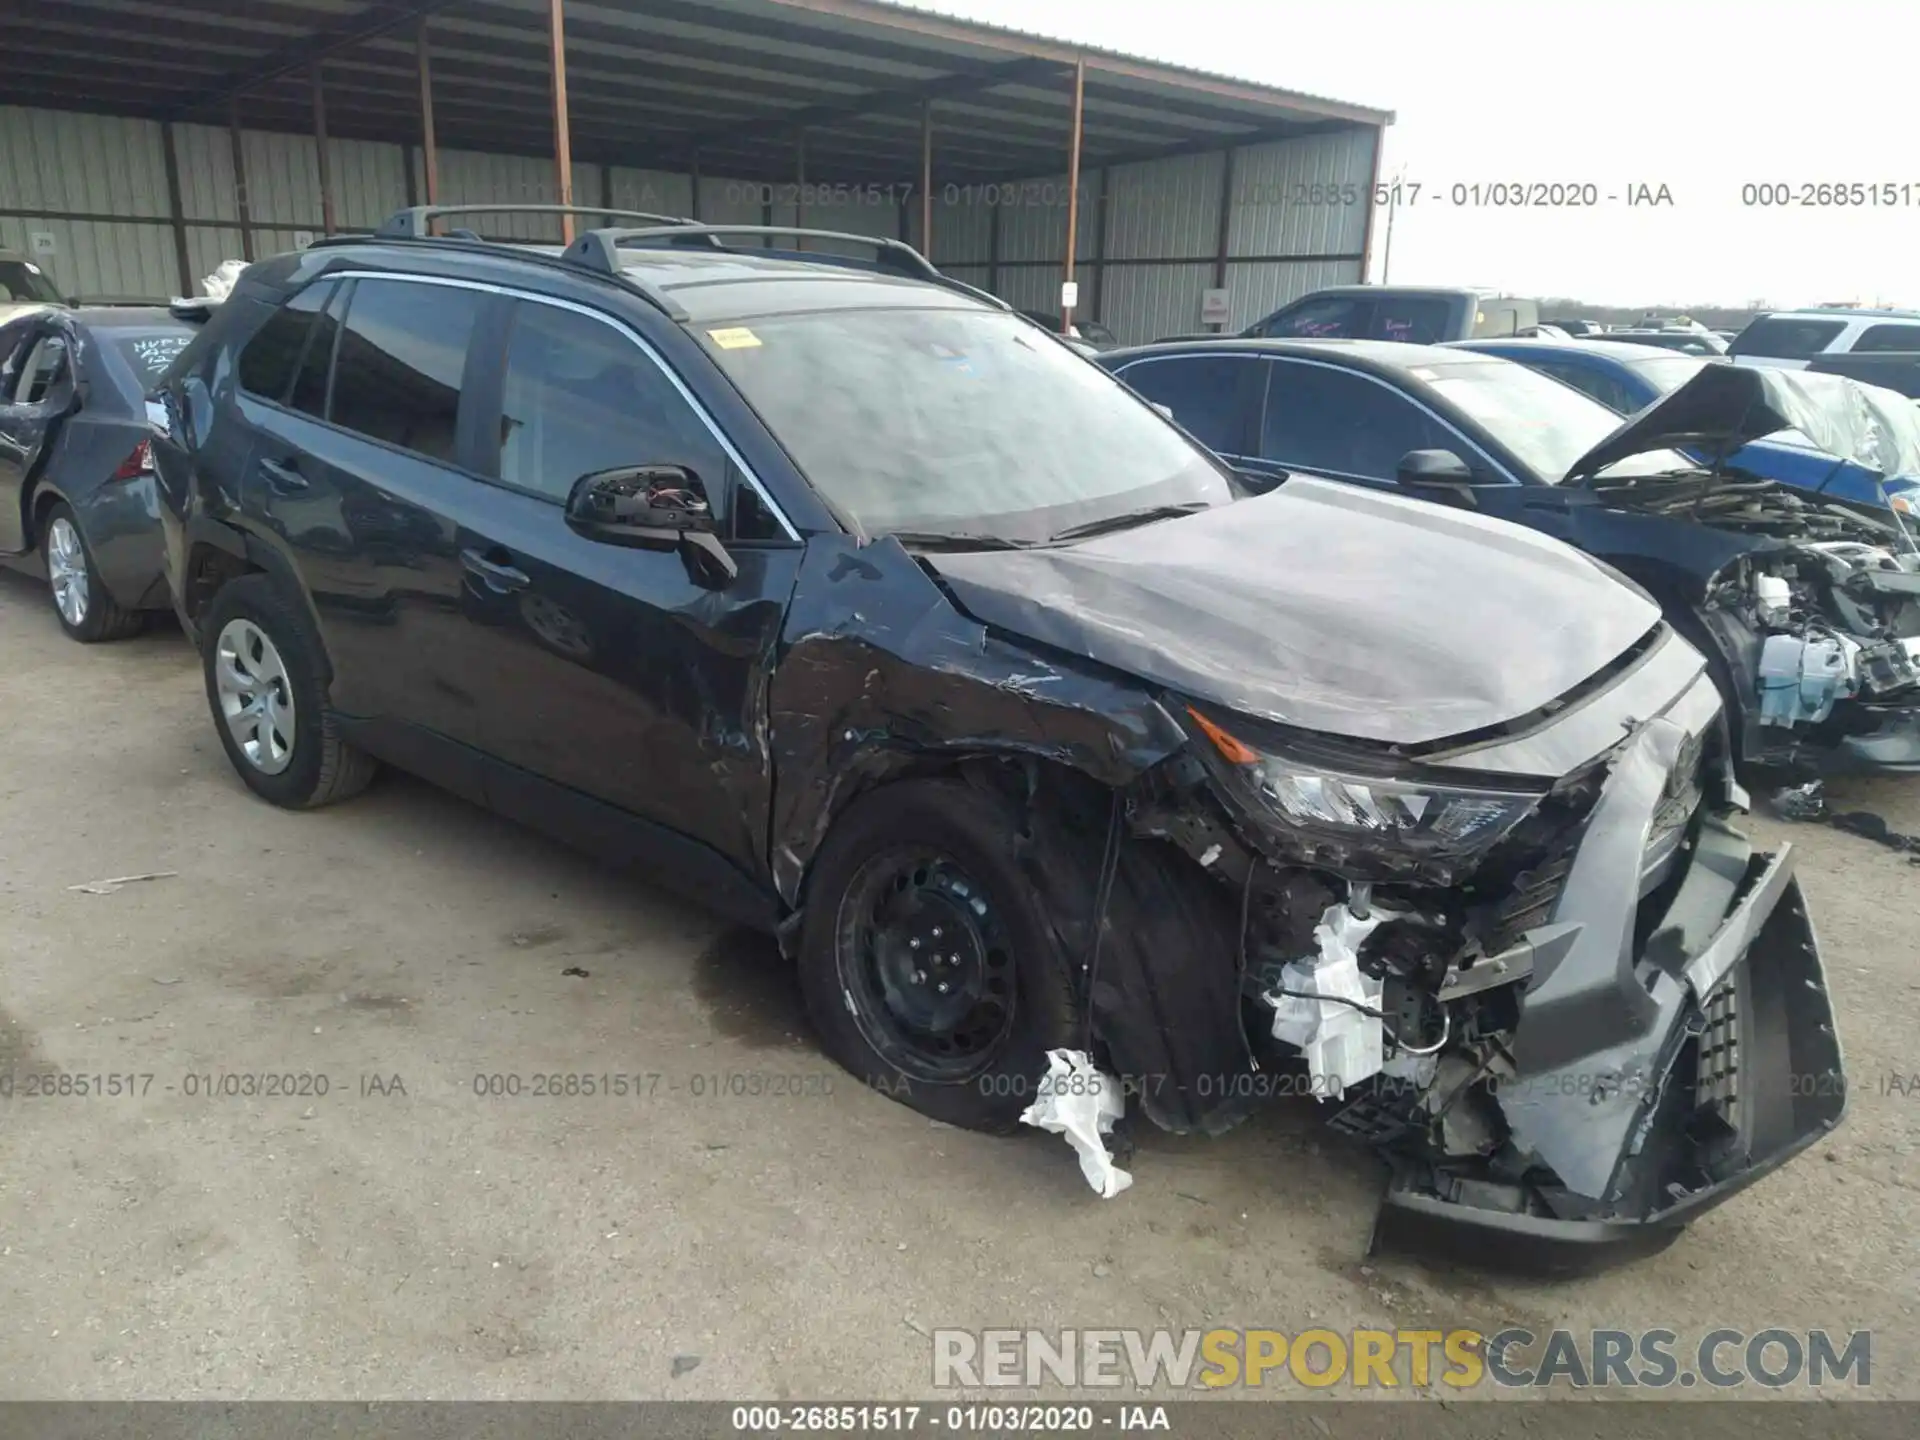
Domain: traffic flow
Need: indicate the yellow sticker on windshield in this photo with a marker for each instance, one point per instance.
(738, 338)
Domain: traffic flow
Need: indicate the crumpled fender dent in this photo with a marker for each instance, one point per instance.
(881, 671)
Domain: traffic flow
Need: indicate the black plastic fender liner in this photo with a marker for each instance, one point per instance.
(1166, 997)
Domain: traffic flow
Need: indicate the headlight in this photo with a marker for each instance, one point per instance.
(1419, 819)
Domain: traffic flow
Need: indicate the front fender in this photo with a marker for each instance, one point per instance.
(880, 672)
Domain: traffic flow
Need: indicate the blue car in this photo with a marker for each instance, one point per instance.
(1628, 378)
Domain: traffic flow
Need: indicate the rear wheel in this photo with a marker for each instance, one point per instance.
(86, 611)
(266, 686)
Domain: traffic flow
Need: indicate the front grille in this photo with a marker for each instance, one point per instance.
(1717, 1086)
(1535, 891)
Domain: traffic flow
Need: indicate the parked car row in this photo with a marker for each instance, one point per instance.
(1366, 721)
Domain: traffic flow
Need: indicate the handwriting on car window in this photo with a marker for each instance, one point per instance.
(156, 352)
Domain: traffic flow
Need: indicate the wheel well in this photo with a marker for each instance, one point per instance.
(208, 569)
(43, 499)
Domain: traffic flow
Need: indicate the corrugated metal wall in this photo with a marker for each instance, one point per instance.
(1297, 218)
(1297, 222)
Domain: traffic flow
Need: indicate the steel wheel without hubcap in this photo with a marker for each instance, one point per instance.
(925, 966)
(256, 698)
(67, 571)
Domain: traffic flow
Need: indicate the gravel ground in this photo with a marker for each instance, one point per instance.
(399, 1236)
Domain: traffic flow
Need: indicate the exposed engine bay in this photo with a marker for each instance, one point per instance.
(1836, 619)
(1824, 610)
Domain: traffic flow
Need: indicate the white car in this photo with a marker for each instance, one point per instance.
(1790, 338)
(24, 286)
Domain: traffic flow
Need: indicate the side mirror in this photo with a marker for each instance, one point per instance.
(653, 507)
(1437, 475)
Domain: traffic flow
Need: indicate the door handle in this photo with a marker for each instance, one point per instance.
(282, 478)
(499, 578)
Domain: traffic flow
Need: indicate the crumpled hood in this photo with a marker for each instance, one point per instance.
(1727, 406)
(1324, 606)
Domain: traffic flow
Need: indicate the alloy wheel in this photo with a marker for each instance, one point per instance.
(67, 572)
(256, 695)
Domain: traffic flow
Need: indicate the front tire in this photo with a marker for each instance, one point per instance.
(928, 962)
(266, 686)
(85, 610)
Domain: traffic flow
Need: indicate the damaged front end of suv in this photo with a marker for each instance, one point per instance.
(1483, 892)
(1809, 606)
(1571, 1012)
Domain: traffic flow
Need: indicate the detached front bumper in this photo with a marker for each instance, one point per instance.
(1663, 1062)
(1792, 1087)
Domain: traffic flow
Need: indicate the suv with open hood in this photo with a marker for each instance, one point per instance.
(1806, 604)
(843, 598)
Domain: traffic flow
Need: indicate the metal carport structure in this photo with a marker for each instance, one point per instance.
(141, 141)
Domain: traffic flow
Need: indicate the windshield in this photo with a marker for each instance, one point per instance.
(22, 280)
(149, 352)
(1549, 426)
(1668, 373)
(959, 422)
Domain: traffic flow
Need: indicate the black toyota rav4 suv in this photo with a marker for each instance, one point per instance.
(836, 593)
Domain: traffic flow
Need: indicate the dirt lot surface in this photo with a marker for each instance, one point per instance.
(401, 1236)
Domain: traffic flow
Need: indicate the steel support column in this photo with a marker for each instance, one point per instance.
(800, 186)
(1373, 191)
(562, 137)
(176, 212)
(926, 178)
(1102, 204)
(1073, 185)
(429, 146)
(327, 218)
(241, 201)
(1224, 238)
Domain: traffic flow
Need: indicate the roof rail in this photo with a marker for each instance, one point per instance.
(600, 249)
(416, 221)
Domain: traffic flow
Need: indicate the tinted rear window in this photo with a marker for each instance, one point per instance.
(1889, 337)
(268, 362)
(1784, 339)
(1415, 321)
(399, 364)
(148, 353)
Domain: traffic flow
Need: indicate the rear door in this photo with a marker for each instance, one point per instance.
(608, 674)
(361, 474)
(39, 392)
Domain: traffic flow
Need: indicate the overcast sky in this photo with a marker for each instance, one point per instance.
(1702, 96)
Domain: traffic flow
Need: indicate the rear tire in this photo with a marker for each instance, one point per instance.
(266, 684)
(903, 865)
(80, 600)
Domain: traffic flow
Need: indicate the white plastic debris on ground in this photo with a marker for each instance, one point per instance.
(1079, 1102)
(220, 283)
(1342, 1045)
